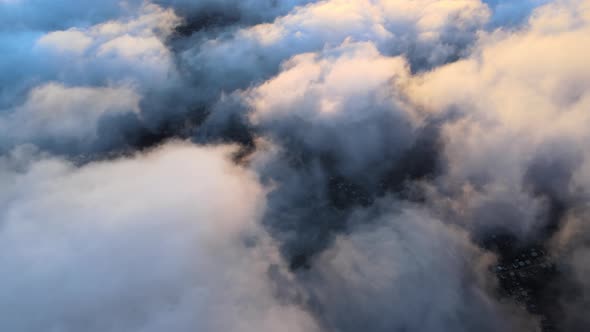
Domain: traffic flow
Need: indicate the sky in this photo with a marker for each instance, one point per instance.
(291, 165)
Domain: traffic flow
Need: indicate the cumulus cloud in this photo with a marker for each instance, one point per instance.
(55, 114)
(145, 243)
(516, 157)
(339, 103)
(127, 53)
(127, 49)
(379, 146)
(65, 50)
(390, 271)
(512, 132)
(522, 113)
(428, 32)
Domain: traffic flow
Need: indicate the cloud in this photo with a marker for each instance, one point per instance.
(519, 111)
(144, 243)
(339, 103)
(90, 55)
(333, 135)
(245, 11)
(129, 49)
(512, 133)
(391, 272)
(68, 41)
(55, 114)
(126, 53)
(427, 37)
(381, 143)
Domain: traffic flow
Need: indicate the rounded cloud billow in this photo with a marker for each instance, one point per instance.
(294, 165)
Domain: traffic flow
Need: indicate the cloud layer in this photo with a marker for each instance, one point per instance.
(138, 244)
(297, 165)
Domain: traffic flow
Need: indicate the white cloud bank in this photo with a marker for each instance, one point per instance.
(146, 243)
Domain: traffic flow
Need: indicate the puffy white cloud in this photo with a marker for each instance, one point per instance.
(523, 98)
(340, 103)
(126, 53)
(53, 112)
(68, 41)
(145, 243)
(133, 45)
(388, 274)
(427, 32)
(350, 95)
(330, 83)
(121, 48)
